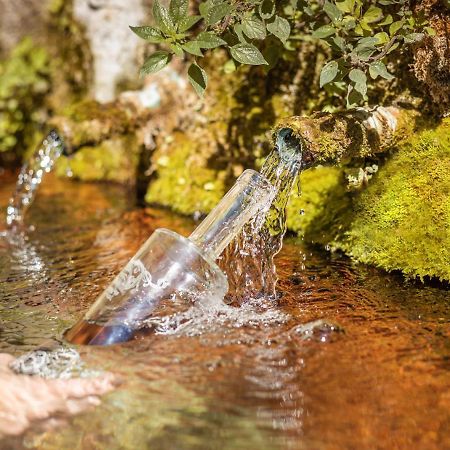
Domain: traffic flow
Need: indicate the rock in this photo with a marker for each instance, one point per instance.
(399, 221)
(114, 47)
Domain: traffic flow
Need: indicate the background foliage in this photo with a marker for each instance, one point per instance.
(359, 37)
(24, 82)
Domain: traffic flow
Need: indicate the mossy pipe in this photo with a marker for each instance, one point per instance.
(334, 137)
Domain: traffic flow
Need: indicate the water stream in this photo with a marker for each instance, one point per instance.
(249, 259)
(31, 176)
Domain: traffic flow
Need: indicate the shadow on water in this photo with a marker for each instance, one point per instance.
(355, 359)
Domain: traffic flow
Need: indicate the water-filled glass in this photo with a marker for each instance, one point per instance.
(170, 272)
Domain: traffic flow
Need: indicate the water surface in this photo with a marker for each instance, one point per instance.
(373, 373)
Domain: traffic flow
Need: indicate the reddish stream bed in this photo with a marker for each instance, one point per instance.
(374, 375)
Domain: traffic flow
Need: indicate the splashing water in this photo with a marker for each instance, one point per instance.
(30, 177)
(248, 260)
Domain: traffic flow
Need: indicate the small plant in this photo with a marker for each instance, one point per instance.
(359, 37)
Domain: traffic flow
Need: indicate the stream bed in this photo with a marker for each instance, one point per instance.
(348, 358)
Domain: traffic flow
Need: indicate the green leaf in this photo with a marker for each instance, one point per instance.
(364, 53)
(193, 48)
(217, 12)
(360, 80)
(373, 14)
(204, 8)
(162, 18)
(357, 75)
(395, 26)
(354, 98)
(150, 34)
(280, 28)
(198, 78)
(365, 25)
(361, 88)
(383, 38)
(177, 50)
(208, 39)
(267, 9)
(348, 23)
(378, 68)
(329, 72)
(367, 42)
(247, 54)
(386, 21)
(339, 43)
(332, 11)
(178, 10)
(156, 62)
(188, 22)
(324, 31)
(430, 31)
(347, 6)
(239, 33)
(393, 47)
(254, 28)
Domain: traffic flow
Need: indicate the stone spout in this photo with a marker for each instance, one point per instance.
(333, 138)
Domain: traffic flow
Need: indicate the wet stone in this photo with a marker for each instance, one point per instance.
(62, 363)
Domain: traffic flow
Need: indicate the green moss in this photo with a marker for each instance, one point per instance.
(184, 181)
(317, 213)
(401, 221)
(113, 160)
(24, 82)
(71, 56)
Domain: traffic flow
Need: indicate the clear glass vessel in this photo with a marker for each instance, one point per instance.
(170, 272)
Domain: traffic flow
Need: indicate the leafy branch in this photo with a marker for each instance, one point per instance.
(360, 36)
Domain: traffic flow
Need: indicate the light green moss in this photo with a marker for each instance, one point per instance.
(24, 82)
(401, 221)
(113, 160)
(317, 213)
(184, 182)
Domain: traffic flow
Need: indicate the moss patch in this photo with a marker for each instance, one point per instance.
(401, 221)
(185, 183)
(317, 213)
(24, 82)
(113, 160)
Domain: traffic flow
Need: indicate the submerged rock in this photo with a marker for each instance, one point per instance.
(318, 330)
(62, 363)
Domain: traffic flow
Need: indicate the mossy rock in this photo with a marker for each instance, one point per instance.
(24, 83)
(113, 160)
(184, 182)
(401, 221)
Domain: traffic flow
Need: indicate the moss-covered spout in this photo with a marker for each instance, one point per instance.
(332, 138)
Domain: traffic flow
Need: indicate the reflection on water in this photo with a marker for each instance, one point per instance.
(355, 359)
